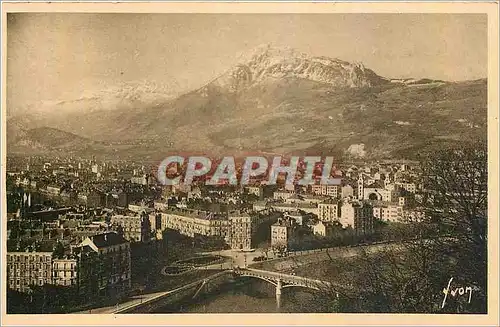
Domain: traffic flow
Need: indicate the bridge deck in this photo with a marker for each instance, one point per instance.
(292, 279)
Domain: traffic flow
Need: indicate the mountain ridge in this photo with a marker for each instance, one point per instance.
(281, 101)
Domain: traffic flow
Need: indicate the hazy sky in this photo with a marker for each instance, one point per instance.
(60, 56)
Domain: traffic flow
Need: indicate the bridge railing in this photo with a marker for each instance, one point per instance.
(168, 293)
(285, 277)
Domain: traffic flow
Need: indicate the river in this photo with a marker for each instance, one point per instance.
(248, 296)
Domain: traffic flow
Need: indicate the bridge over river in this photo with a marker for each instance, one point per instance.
(281, 281)
(269, 271)
(192, 290)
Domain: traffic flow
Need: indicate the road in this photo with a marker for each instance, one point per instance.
(294, 259)
(132, 301)
(241, 259)
(236, 258)
(138, 299)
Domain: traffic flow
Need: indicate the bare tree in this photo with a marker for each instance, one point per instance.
(456, 205)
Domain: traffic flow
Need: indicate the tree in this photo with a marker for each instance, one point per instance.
(15, 230)
(119, 230)
(107, 218)
(58, 250)
(265, 247)
(279, 249)
(249, 198)
(66, 232)
(455, 205)
(410, 277)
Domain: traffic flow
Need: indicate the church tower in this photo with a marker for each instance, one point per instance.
(387, 180)
(361, 187)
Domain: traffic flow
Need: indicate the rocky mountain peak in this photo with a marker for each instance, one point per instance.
(267, 61)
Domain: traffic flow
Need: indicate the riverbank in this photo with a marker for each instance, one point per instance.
(164, 285)
(308, 258)
(247, 295)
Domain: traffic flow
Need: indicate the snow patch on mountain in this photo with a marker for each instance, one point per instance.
(357, 150)
(275, 62)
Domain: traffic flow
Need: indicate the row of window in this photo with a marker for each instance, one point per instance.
(16, 284)
(64, 274)
(29, 258)
(21, 282)
(31, 266)
(65, 266)
(121, 248)
(20, 273)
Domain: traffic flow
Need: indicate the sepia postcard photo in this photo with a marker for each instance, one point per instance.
(249, 163)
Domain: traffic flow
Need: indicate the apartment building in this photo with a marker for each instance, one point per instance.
(190, 222)
(65, 271)
(388, 212)
(327, 190)
(409, 187)
(296, 216)
(241, 231)
(110, 265)
(28, 268)
(347, 191)
(135, 227)
(244, 227)
(322, 229)
(282, 195)
(255, 190)
(357, 215)
(281, 233)
(328, 211)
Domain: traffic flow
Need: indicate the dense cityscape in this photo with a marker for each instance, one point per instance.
(76, 225)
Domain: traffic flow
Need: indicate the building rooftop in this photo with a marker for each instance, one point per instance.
(238, 213)
(107, 239)
(30, 252)
(200, 214)
(283, 223)
(296, 197)
(82, 250)
(284, 191)
(376, 203)
(330, 201)
(377, 184)
(294, 205)
(294, 213)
